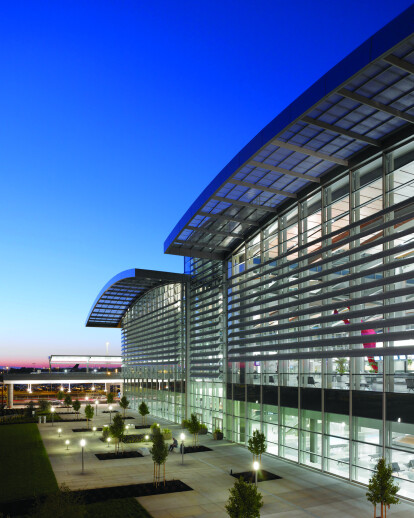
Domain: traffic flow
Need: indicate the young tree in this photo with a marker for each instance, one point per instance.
(30, 409)
(89, 413)
(110, 398)
(143, 410)
(193, 427)
(257, 445)
(60, 395)
(159, 452)
(381, 488)
(68, 400)
(117, 430)
(244, 501)
(76, 406)
(124, 403)
(44, 406)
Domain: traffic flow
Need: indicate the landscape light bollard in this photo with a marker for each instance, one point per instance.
(146, 437)
(94, 430)
(110, 414)
(182, 437)
(67, 442)
(83, 444)
(59, 431)
(256, 468)
(53, 413)
(108, 440)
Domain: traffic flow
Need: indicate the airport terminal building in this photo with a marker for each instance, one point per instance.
(295, 311)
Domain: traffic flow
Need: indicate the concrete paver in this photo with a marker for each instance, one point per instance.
(300, 493)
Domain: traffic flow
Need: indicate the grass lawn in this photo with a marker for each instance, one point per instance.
(28, 473)
(24, 463)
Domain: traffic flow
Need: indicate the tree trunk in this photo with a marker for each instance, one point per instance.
(382, 510)
(164, 474)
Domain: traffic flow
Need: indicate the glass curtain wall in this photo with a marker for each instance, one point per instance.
(153, 350)
(312, 297)
(207, 341)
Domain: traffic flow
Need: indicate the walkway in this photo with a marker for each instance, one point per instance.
(299, 494)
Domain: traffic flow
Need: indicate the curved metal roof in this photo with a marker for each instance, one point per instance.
(356, 109)
(122, 291)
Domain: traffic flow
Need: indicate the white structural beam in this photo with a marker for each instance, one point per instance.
(341, 131)
(309, 152)
(212, 231)
(265, 208)
(400, 63)
(376, 105)
(281, 170)
(259, 187)
(223, 217)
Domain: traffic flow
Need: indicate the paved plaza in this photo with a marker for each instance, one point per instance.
(300, 493)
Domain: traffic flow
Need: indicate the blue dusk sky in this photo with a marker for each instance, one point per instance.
(114, 116)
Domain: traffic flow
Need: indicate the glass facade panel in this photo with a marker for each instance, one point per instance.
(305, 332)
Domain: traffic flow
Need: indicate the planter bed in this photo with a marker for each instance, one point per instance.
(262, 476)
(128, 417)
(134, 490)
(81, 419)
(114, 456)
(86, 430)
(142, 426)
(128, 439)
(195, 449)
(110, 412)
(91, 496)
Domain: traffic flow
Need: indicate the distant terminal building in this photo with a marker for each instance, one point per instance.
(295, 314)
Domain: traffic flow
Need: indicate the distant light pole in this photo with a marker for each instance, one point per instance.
(94, 430)
(53, 413)
(108, 440)
(59, 431)
(67, 442)
(83, 444)
(182, 437)
(110, 414)
(256, 467)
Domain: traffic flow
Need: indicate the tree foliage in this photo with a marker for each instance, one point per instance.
(89, 411)
(68, 400)
(60, 395)
(30, 408)
(159, 453)
(244, 501)
(44, 406)
(257, 445)
(76, 406)
(110, 398)
(194, 427)
(116, 430)
(381, 488)
(143, 411)
(124, 403)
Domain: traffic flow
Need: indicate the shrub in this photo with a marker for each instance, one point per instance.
(245, 501)
(155, 428)
(184, 423)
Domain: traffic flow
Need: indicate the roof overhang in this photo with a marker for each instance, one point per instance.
(122, 291)
(352, 110)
